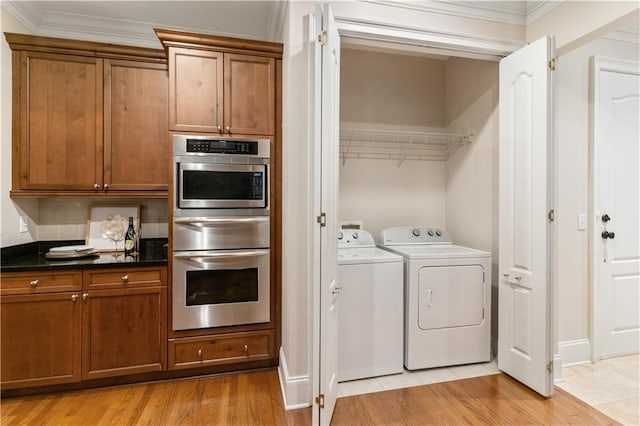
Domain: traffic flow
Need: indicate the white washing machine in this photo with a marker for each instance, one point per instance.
(447, 298)
(370, 307)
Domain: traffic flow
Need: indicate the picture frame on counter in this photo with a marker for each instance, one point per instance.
(107, 225)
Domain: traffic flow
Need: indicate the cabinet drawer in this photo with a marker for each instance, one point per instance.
(222, 349)
(40, 282)
(124, 278)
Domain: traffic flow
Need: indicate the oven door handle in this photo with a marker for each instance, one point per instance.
(212, 257)
(203, 222)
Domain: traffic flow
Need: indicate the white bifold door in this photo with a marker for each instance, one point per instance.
(525, 348)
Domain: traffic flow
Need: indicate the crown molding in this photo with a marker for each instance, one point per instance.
(275, 21)
(537, 9)
(629, 36)
(38, 20)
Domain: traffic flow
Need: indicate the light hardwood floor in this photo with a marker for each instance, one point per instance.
(253, 398)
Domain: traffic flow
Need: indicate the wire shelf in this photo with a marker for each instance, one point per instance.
(400, 145)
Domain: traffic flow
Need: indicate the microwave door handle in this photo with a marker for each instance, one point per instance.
(213, 257)
(207, 222)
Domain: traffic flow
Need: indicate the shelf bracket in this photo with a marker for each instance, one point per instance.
(345, 153)
(406, 151)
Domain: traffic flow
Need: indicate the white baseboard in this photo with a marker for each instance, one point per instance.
(575, 352)
(295, 389)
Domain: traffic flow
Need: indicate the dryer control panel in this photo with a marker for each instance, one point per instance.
(403, 235)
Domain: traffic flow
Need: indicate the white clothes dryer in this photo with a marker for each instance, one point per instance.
(370, 308)
(447, 296)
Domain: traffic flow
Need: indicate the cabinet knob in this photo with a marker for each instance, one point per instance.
(34, 283)
(200, 353)
(219, 128)
(74, 297)
(96, 187)
(106, 187)
(227, 129)
(85, 296)
(246, 349)
(125, 278)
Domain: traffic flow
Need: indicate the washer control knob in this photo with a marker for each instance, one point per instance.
(439, 233)
(340, 235)
(416, 232)
(355, 235)
(430, 232)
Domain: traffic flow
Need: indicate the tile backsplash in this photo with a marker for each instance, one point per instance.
(66, 218)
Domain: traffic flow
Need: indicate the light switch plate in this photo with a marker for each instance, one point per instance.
(23, 224)
(582, 222)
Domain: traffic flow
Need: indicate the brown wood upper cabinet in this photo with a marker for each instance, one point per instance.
(221, 85)
(88, 118)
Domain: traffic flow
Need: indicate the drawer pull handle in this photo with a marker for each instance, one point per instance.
(125, 278)
(74, 297)
(34, 283)
(200, 353)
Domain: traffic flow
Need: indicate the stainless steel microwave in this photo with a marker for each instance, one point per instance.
(220, 173)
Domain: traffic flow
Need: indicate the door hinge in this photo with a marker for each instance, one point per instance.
(552, 64)
(320, 400)
(550, 367)
(322, 219)
(551, 215)
(322, 38)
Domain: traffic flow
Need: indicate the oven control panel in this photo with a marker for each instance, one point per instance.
(222, 146)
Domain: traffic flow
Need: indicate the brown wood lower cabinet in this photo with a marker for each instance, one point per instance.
(124, 332)
(40, 339)
(194, 352)
(53, 338)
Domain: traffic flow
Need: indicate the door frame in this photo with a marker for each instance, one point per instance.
(597, 64)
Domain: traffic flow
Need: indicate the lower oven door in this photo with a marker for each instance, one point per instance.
(220, 288)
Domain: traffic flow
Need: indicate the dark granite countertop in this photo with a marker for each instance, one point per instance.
(31, 257)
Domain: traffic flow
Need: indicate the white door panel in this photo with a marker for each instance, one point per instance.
(524, 341)
(616, 136)
(326, 118)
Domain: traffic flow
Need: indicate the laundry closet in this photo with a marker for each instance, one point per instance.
(419, 146)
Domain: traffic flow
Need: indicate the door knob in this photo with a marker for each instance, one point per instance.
(605, 218)
(607, 234)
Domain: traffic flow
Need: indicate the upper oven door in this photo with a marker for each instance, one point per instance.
(220, 186)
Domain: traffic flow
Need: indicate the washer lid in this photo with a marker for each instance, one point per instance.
(349, 256)
(436, 251)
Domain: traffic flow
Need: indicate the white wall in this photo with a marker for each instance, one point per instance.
(381, 194)
(10, 211)
(296, 210)
(572, 184)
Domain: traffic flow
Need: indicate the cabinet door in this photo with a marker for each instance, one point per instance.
(124, 332)
(249, 98)
(40, 340)
(136, 153)
(195, 90)
(60, 142)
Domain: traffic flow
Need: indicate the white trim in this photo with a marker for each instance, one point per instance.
(448, 43)
(557, 369)
(295, 389)
(623, 35)
(27, 13)
(478, 10)
(574, 352)
(537, 9)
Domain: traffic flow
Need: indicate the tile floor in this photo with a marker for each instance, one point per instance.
(611, 386)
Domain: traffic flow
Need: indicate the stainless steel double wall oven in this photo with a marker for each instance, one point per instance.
(221, 232)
